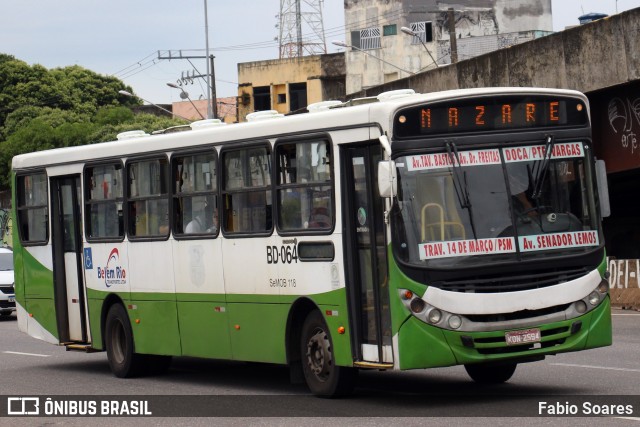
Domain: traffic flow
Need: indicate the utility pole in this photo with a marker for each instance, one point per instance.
(451, 17)
(214, 104)
(210, 82)
(212, 109)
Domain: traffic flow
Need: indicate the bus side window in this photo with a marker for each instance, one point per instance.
(32, 209)
(104, 218)
(304, 189)
(247, 190)
(148, 198)
(195, 194)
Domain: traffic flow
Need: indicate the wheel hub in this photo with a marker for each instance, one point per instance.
(319, 354)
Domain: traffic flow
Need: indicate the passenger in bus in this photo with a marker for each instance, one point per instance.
(518, 185)
(199, 222)
(320, 217)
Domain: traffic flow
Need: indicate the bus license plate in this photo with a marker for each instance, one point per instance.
(522, 337)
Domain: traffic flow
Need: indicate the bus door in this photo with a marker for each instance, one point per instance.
(69, 287)
(365, 255)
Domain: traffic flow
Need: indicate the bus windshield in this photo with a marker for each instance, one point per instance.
(462, 208)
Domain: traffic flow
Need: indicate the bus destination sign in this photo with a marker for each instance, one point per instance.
(482, 115)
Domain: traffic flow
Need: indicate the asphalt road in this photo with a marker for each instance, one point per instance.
(258, 394)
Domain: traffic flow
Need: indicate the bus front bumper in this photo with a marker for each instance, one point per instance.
(421, 345)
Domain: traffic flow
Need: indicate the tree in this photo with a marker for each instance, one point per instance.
(146, 122)
(63, 107)
(36, 136)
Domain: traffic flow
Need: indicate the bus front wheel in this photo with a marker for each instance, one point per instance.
(123, 361)
(323, 377)
(490, 373)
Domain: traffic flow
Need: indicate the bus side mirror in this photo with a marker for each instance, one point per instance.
(603, 188)
(387, 178)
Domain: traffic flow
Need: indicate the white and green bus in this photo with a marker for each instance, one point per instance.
(409, 231)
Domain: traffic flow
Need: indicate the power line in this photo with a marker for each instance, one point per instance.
(334, 31)
(150, 60)
(152, 54)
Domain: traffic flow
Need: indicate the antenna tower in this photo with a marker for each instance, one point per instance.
(296, 17)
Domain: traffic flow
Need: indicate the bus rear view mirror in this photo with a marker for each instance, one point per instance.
(387, 178)
(603, 188)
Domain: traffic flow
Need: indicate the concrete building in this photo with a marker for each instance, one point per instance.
(379, 52)
(289, 84)
(226, 108)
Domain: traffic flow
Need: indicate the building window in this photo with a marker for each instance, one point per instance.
(424, 31)
(304, 190)
(366, 39)
(389, 30)
(262, 98)
(103, 202)
(297, 96)
(247, 191)
(282, 98)
(148, 212)
(33, 210)
(195, 198)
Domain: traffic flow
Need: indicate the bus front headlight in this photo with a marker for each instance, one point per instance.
(434, 316)
(455, 321)
(603, 287)
(417, 305)
(594, 298)
(581, 306)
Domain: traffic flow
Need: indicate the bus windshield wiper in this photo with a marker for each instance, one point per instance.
(543, 168)
(460, 185)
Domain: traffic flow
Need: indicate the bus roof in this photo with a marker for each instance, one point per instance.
(372, 114)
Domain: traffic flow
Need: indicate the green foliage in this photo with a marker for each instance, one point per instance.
(5, 57)
(146, 122)
(37, 136)
(113, 116)
(53, 116)
(42, 109)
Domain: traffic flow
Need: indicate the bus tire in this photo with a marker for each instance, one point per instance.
(123, 360)
(322, 376)
(491, 373)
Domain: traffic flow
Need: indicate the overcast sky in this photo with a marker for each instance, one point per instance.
(123, 37)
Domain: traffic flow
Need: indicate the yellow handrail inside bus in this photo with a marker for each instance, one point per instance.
(441, 224)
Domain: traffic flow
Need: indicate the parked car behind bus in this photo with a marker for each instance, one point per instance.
(7, 291)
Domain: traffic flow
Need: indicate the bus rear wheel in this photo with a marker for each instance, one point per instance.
(323, 377)
(491, 373)
(123, 361)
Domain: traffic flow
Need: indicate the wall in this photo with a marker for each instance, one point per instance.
(323, 74)
(624, 282)
(479, 18)
(586, 58)
(226, 109)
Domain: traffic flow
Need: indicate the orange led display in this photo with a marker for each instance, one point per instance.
(506, 114)
(531, 113)
(486, 114)
(480, 115)
(425, 118)
(453, 117)
(553, 111)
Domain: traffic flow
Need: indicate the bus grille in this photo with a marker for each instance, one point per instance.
(511, 283)
(517, 315)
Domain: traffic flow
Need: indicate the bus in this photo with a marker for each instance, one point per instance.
(403, 231)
